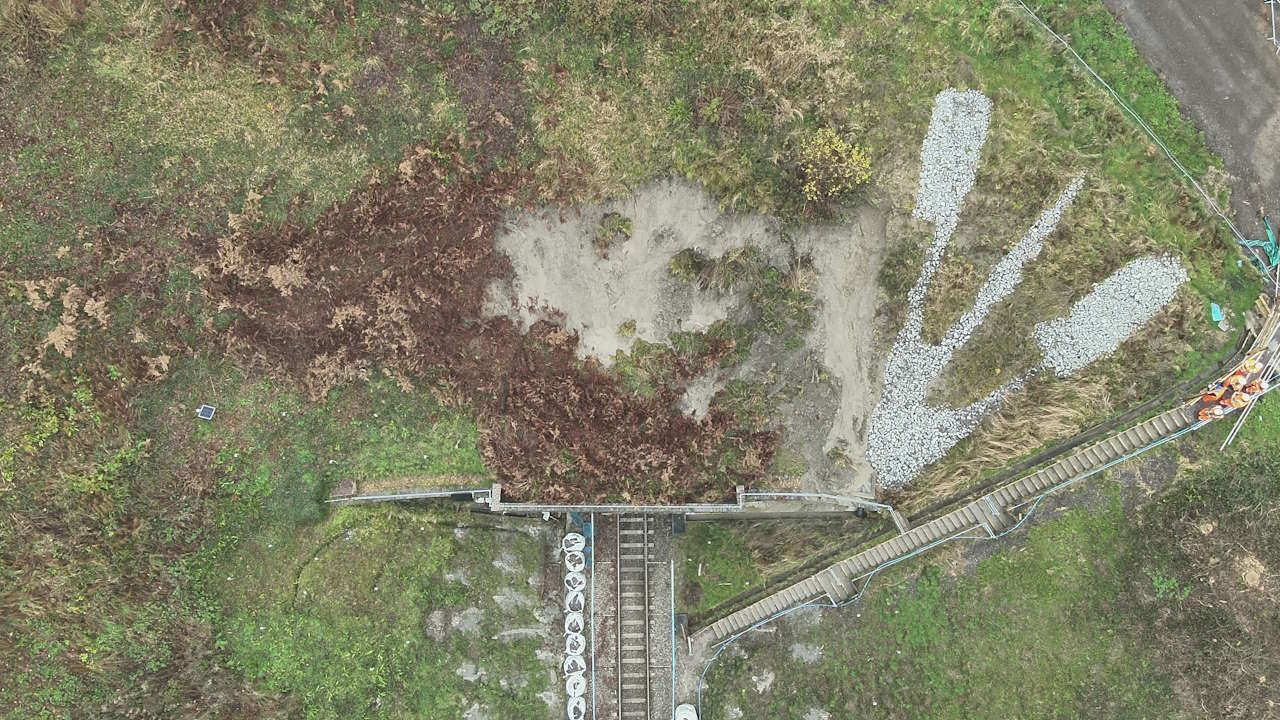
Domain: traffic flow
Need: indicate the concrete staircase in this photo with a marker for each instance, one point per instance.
(989, 514)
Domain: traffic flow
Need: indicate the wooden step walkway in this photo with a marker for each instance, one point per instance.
(989, 514)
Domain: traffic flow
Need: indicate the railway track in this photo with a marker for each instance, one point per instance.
(635, 542)
(632, 630)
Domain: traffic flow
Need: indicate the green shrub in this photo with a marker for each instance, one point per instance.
(613, 229)
(832, 166)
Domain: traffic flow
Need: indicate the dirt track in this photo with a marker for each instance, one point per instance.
(1217, 58)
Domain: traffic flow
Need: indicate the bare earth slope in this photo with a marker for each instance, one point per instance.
(1216, 57)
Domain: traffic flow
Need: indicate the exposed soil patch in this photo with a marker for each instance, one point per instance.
(396, 277)
(559, 271)
(824, 387)
(848, 259)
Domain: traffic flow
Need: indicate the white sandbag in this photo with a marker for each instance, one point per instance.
(576, 708)
(575, 581)
(574, 622)
(573, 542)
(686, 712)
(575, 686)
(574, 602)
(574, 664)
(574, 644)
(575, 561)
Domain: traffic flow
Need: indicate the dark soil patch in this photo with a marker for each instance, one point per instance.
(396, 277)
(481, 71)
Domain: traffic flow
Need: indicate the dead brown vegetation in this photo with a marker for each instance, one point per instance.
(482, 70)
(1046, 412)
(397, 276)
(28, 26)
(1218, 625)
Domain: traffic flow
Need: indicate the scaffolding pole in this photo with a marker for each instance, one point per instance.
(1275, 39)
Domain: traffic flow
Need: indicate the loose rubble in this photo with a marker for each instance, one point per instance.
(906, 434)
(1115, 309)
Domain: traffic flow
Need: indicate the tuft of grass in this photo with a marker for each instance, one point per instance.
(612, 229)
(28, 26)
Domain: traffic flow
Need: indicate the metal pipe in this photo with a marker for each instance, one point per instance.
(591, 540)
(672, 583)
(1274, 39)
(617, 574)
(475, 495)
(842, 499)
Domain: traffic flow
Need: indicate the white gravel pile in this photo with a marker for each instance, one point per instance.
(949, 156)
(1115, 309)
(1007, 274)
(948, 165)
(906, 434)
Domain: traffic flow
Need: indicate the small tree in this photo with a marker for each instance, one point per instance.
(832, 166)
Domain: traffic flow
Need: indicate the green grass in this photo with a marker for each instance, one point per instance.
(281, 453)
(335, 613)
(1100, 612)
(726, 564)
(128, 139)
(121, 114)
(175, 502)
(330, 608)
(1035, 634)
(738, 556)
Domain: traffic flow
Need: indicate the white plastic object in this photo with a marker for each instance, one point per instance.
(574, 602)
(576, 708)
(575, 686)
(574, 622)
(574, 644)
(575, 561)
(686, 712)
(573, 542)
(574, 665)
(575, 581)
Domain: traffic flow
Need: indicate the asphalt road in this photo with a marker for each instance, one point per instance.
(1217, 58)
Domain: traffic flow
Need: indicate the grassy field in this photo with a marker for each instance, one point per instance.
(154, 574)
(285, 209)
(385, 612)
(1103, 612)
(721, 560)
